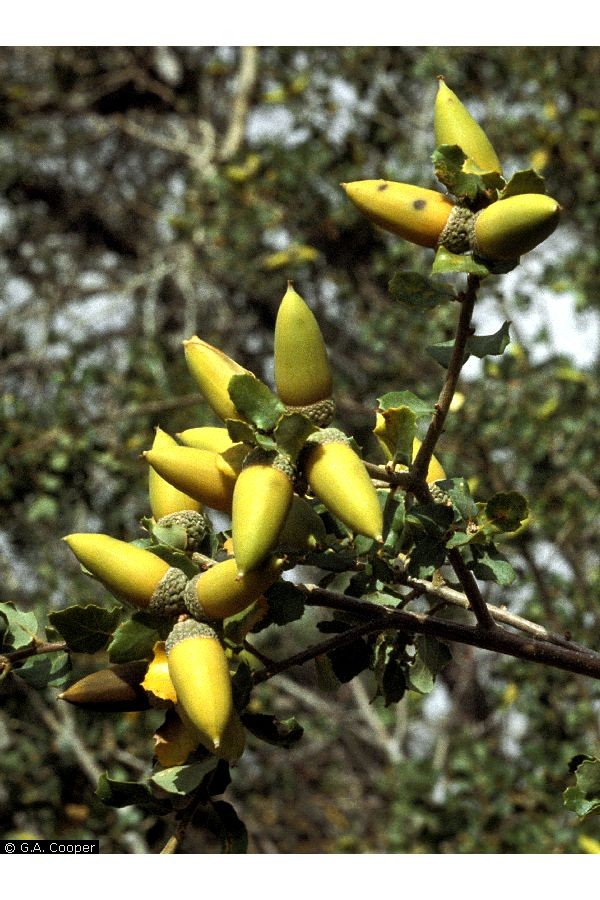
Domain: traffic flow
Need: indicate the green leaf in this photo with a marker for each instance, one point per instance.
(394, 514)
(221, 819)
(136, 638)
(420, 677)
(433, 518)
(397, 399)
(279, 732)
(435, 654)
(459, 493)
(286, 603)
(240, 432)
(584, 797)
(47, 669)
(446, 263)
(526, 182)
(477, 345)
(129, 793)
(428, 555)
(448, 161)
(390, 667)
(241, 686)
(417, 290)
(507, 511)
(173, 536)
(255, 401)
(22, 626)
(291, 433)
(491, 565)
(86, 629)
(176, 558)
(351, 659)
(183, 780)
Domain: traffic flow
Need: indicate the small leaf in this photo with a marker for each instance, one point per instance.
(86, 629)
(350, 660)
(173, 536)
(399, 433)
(291, 433)
(446, 263)
(448, 162)
(255, 401)
(182, 780)
(428, 555)
(477, 345)
(129, 793)
(458, 491)
(420, 677)
(176, 558)
(332, 561)
(235, 628)
(241, 686)
(45, 670)
(435, 654)
(22, 626)
(507, 510)
(526, 182)
(433, 518)
(397, 399)
(157, 679)
(417, 290)
(240, 432)
(394, 514)
(584, 797)
(225, 823)
(173, 742)
(390, 667)
(286, 603)
(281, 733)
(135, 639)
(491, 565)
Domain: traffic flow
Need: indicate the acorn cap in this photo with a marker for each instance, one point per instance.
(321, 413)
(186, 629)
(168, 595)
(195, 525)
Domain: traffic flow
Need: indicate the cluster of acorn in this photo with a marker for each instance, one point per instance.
(268, 492)
(500, 232)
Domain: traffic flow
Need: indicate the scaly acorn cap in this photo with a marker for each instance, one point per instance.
(164, 497)
(454, 125)
(207, 437)
(199, 671)
(321, 413)
(116, 689)
(195, 525)
(337, 476)
(302, 373)
(168, 597)
(131, 573)
(202, 474)
(212, 370)
(261, 501)
(415, 213)
(506, 229)
(457, 236)
(220, 592)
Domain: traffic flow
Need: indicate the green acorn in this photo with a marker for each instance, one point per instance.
(199, 671)
(131, 573)
(454, 125)
(507, 229)
(261, 501)
(302, 373)
(337, 476)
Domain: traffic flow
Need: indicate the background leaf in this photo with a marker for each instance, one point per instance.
(86, 629)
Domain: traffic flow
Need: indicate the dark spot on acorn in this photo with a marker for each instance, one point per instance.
(382, 187)
(419, 204)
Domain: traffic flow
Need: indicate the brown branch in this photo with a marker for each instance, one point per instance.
(7, 659)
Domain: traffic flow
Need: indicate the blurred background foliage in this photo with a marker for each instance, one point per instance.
(150, 193)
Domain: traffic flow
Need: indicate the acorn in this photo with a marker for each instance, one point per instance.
(207, 476)
(337, 476)
(131, 573)
(415, 213)
(506, 229)
(199, 671)
(219, 592)
(195, 525)
(164, 497)
(207, 437)
(212, 370)
(302, 373)
(454, 125)
(261, 501)
(115, 689)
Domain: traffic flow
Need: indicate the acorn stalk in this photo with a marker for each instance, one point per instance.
(261, 501)
(416, 214)
(164, 497)
(302, 373)
(212, 370)
(454, 125)
(131, 573)
(337, 476)
(199, 671)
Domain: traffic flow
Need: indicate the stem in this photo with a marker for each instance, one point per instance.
(7, 659)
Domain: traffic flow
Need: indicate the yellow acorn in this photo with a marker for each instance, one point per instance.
(303, 529)
(116, 689)
(302, 373)
(207, 437)
(212, 369)
(261, 501)
(164, 497)
(454, 125)
(131, 573)
(506, 229)
(203, 474)
(199, 671)
(337, 476)
(415, 213)
(220, 591)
